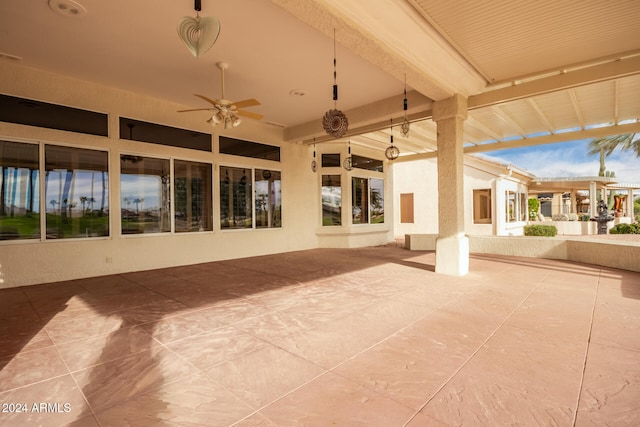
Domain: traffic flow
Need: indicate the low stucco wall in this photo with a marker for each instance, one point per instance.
(607, 253)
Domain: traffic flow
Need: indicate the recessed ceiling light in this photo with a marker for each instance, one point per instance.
(298, 92)
(68, 8)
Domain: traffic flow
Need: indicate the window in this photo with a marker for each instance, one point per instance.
(19, 191)
(516, 206)
(37, 113)
(136, 130)
(511, 206)
(482, 206)
(238, 147)
(144, 195)
(235, 198)
(366, 163)
(376, 201)
(523, 206)
(331, 200)
(331, 160)
(360, 200)
(76, 192)
(268, 199)
(367, 200)
(406, 208)
(193, 209)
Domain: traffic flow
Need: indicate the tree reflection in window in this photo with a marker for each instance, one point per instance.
(76, 189)
(144, 195)
(360, 200)
(268, 198)
(331, 200)
(192, 193)
(19, 191)
(235, 198)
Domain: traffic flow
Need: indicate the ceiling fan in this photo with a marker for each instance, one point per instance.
(225, 111)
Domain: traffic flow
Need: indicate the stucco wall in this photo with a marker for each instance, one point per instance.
(608, 253)
(25, 263)
(421, 179)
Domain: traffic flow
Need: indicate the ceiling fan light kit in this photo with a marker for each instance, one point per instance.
(199, 34)
(225, 111)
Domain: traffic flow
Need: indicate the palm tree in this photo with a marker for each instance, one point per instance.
(607, 144)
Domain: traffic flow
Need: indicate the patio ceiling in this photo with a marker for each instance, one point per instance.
(551, 71)
(533, 72)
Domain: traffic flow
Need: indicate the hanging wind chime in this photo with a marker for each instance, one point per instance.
(334, 122)
(405, 105)
(348, 162)
(198, 34)
(314, 164)
(392, 152)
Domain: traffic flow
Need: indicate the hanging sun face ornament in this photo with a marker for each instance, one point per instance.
(334, 122)
(392, 152)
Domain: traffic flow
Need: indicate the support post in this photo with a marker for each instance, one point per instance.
(452, 246)
(593, 202)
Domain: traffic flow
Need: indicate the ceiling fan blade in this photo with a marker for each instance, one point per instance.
(250, 115)
(246, 103)
(196, 109)
(209, 100)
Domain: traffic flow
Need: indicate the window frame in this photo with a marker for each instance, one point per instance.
(487, 217)
(43, 182)
(251, 169)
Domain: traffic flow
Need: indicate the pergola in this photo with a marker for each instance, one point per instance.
(592, 184)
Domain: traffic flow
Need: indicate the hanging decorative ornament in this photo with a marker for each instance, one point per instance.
(334, 122)
(314, 165)
(392, 152)
(198, 34)
(348, 162)
(405, 123)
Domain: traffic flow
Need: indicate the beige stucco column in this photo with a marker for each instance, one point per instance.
(630, 204)
(452, 246)
(593, 203)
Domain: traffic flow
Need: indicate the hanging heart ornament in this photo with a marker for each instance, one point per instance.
(199, 34)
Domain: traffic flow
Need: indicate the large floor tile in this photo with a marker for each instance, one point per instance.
(264, 375)
(125, 341)
(30, 367)
(219, 345)
(54, 402)
(192, 401)
(120, 380)
(331, 400)
(611, 388)
(617, 323)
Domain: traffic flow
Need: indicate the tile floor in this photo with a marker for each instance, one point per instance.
(344, 337)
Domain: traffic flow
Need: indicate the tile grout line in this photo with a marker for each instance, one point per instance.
(586, 352)
(329, 370)
(73, 378)
(444, 384)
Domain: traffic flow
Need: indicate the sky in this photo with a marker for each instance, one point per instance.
(570, 158)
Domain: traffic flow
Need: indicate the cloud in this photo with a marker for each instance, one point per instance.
(570, 159)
